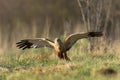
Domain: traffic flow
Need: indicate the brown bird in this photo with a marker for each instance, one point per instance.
(60, 47)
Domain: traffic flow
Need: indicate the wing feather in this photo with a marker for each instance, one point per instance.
(35, 43)
(71, 39)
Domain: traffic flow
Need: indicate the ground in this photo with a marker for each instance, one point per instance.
(42, 64)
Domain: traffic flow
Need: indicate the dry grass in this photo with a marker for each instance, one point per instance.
(37, 64)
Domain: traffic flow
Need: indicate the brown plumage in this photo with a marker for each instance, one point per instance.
(60, 47)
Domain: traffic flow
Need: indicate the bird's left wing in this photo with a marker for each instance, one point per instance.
(35, 43)
(71, 39)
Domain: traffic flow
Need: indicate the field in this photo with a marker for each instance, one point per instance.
(60, 18)
(42, 64)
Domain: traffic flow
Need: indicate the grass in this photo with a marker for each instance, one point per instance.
(42, 64)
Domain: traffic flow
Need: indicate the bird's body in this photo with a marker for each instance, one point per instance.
(60, 47)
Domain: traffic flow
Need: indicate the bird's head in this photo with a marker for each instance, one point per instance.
(57, 40)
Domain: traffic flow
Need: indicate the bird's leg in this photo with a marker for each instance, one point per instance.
(64, 55)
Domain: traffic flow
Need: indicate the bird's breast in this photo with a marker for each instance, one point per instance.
(59, 47)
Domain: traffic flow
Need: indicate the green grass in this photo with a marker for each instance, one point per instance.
(41, 64)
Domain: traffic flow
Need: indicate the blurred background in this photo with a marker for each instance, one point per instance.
(21, 19)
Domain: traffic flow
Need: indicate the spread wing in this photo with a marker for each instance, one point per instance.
(71, 39)
(34, 43)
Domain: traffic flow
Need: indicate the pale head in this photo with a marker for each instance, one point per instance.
(57, 40)
(58, 45)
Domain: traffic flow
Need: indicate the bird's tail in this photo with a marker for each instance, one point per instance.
(95, 34)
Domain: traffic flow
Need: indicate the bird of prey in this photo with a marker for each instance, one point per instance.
(60, 47)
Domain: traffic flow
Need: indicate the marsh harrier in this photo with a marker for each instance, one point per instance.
(60, 47)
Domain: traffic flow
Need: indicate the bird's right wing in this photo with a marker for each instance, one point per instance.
(71, 39)
(34, 43)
